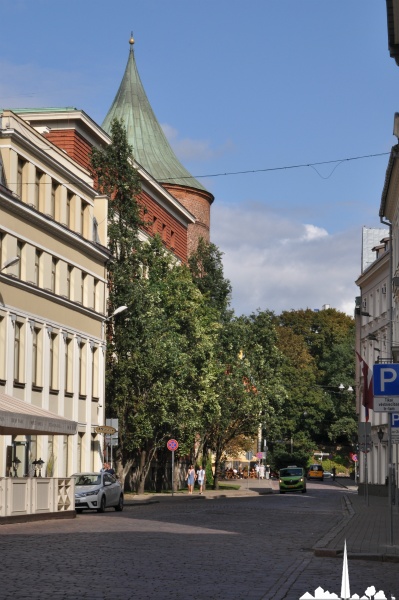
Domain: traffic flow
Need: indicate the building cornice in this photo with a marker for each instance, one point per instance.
(46, 223)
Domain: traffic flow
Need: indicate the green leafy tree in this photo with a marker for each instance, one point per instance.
(317, 406)
(159, 350)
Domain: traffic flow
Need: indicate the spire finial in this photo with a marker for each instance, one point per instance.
(131, 41)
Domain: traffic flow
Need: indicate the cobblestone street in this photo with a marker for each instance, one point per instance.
(256, 548)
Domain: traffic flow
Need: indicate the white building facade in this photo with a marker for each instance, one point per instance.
(53, 228)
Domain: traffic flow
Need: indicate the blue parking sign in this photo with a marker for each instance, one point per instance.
(395, 420)
(386, 379)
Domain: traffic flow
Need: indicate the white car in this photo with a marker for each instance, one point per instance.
(97, 491)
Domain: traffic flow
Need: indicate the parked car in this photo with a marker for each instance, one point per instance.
(97, 491)
(292, 479)
(327, 475)
(316, 472)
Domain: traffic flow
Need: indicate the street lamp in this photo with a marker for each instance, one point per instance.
(10, 262)
(117, 311)
(15, 464)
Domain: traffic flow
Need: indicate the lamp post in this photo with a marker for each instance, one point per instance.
(40, 464)
(117, 311)
(15, 464)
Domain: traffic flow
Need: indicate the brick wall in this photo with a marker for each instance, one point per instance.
(73, 143)
(158, 220)
(199, 204)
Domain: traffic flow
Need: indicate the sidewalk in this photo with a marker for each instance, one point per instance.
(365, 527)
(253, 487)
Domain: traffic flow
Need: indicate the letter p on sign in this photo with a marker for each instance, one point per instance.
(386, 379)
(388, 375)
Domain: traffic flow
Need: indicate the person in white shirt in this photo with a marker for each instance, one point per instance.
(201, 479)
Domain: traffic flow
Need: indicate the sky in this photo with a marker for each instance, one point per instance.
(261, 86)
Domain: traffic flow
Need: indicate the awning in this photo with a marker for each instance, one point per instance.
(18, 417)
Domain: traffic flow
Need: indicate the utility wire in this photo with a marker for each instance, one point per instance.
(300, 166)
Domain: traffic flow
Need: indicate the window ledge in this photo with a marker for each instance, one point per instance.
(19, 384)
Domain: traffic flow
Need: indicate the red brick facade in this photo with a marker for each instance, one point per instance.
(73, 143)
(199, 204)
(158, 220)
(173, 233)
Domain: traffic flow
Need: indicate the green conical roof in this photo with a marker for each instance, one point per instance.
(151, 149)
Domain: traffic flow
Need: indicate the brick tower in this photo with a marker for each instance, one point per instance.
(153, 152)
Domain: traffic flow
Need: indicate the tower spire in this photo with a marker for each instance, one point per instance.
(150, 146)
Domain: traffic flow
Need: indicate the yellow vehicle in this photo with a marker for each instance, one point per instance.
(316, 472)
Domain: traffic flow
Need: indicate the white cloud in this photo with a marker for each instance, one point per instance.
(276, 263)
(313, 233)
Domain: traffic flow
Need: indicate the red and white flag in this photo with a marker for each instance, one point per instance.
(368, 396)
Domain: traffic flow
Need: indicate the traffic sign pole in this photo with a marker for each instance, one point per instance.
(172, 445)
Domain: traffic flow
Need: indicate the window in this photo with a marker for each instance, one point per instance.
(94, 373)
(69, 279)
(20, 177)
(83, 208)
(172, 240)
(37, 194)
(154, 225)
(54, 262)
(53, 199)
(82, 369)
(1, 249)
(82, 288)
(68, 365)
(18, 352)
(37, 267)
(2, 348)
(54, 189)
(164, 232)
(20, 248)
(53, 362)
(68, 209)
(35, 356)
(95, 289)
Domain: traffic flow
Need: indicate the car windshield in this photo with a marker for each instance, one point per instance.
(290, 472)
(316, 468)
(94, 479)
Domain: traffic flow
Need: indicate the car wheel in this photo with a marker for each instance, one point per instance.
(119, 506)
(79, 510)
(101, 508)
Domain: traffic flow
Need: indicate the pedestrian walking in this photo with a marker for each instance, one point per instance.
(261, 471)
(191, 479)
(334, 473)
(201, 479)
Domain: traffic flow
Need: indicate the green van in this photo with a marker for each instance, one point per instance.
(292, 479)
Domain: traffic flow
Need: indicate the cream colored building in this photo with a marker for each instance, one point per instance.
(53, 298)
(373, 335)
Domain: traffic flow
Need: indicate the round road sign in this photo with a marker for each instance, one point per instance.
(172, 445)
(105, 429)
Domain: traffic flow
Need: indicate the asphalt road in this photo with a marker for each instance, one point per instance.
(256, 548)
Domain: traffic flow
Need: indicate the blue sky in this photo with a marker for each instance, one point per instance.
(238, 87)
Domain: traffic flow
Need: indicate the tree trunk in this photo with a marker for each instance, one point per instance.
(218, 455)
(142, 472)
(161, 477)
